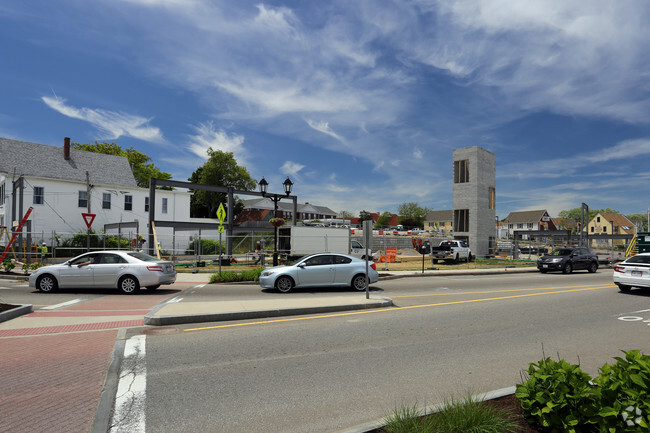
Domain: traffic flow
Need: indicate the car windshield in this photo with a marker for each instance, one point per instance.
(142, 256)
(562, 252)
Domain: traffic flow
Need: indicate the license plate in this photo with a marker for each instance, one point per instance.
(544, 266)
(636, 273)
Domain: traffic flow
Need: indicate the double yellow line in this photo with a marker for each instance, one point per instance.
(553, 291)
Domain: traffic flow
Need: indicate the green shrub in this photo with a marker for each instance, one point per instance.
(8, 265)
(208, 246)
(471, 416)
(625, 400)
(233, 276)
(559, 397)
(407, 420)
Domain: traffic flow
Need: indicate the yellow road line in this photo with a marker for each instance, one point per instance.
(354, 313)
(493, 291)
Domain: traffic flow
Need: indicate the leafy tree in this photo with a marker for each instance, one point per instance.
(640, 220)
(364, 216)
(384, 219)
(411, 214)
(221, 169)
(140, 163)
(345, 215)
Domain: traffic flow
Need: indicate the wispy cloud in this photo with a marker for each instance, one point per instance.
(324, 127)
(207, 136)
(291, 168)
(113, 124)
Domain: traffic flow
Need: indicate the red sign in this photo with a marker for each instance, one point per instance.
(89, 218)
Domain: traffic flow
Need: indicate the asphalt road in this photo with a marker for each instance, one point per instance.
(446, 337)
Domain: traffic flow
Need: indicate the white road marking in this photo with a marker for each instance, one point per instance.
(129, 413)
(62, 304)
(174, 300)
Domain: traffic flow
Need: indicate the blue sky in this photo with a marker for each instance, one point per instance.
(361, 103)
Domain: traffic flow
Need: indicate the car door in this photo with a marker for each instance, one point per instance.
(78, 272)
(583, 260)
(108, 270)
(317, 271)
(343, 270)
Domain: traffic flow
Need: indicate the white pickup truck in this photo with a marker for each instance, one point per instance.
(451, 250)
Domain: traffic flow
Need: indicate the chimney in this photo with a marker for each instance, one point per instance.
(66, 147)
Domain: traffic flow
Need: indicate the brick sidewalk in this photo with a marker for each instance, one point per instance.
(52, 383)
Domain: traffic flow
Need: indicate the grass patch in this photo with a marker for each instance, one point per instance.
(456, 416)
(234, 276)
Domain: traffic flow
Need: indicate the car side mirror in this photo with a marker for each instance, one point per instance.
(301, 265)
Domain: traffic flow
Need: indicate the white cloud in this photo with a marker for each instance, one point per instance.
(324, 127)
(209, 137)
(291, 168)
(623, 150)
(114, 124)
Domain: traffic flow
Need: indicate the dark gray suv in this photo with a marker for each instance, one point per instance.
(568, 259)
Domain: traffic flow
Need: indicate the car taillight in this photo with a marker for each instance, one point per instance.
(373, 266)
(155, 268)
(620, 269)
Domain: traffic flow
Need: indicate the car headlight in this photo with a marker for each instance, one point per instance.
(556, 260)
(267, 273)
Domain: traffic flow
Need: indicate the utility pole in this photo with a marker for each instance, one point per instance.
(88, 188)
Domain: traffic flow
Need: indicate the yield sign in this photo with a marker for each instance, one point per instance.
(89, 218)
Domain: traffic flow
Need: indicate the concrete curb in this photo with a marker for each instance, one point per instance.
(152, 319)
(452, 272)
(377, 424)
(20, 310)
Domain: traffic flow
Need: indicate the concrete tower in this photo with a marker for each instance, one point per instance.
(474, 198)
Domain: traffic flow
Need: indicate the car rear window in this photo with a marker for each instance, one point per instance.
(142, 256)
(342, 260)
(638, 259)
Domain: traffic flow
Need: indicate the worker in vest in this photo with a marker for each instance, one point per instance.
(44, 252)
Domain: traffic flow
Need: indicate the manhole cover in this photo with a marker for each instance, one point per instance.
(160, 331)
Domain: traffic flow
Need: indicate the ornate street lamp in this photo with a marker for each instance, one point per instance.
(264, 185)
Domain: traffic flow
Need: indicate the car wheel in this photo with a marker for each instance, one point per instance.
(284, 284)
(128, 285)
(593, 267)
(46, 284)
(568, 268)
(470, 258)
(359, 282)
(457, 260)
(152, 288)
(624, 288)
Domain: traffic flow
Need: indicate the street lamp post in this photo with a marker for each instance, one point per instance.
(264, 185)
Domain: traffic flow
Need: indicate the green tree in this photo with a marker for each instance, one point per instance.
(640, 220)
(384, 220)
(412, 214)
(221, 169)
(364, 216)
(345, 215)
(141, 166)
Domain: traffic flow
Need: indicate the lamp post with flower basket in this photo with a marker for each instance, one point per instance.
(275, 221)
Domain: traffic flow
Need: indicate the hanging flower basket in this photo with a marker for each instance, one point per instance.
(277, 222)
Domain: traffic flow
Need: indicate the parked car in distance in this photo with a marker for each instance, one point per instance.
(568, 259)
(633, 272)
(124, 270)
(320, 270)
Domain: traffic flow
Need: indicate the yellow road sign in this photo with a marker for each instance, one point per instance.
(221, 213)
(222, 229)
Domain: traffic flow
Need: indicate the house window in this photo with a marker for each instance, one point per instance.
(461, 220)
(510, 226)
(106, 200)
(492, 198)
(461, 171)
(592, 229)
(2, 193)
(164, 205)
(128, 202)
(38, 195)
(530, 225)
(520, 225)
(597, 219)
(82, 201)
(146, 204)
(604, 229)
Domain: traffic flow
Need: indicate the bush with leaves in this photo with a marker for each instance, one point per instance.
(231, 276)
(208, 246)
(559, 396)
(8, 265)
(624, 395)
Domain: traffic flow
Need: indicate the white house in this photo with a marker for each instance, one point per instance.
(59, 183)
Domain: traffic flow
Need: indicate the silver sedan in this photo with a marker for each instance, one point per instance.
(124, 270)
(320, 270)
